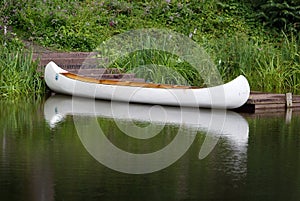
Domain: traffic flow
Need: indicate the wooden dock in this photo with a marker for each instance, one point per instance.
(258, 102)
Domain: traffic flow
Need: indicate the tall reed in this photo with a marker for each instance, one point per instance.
(159, 67)
(270, 67)
(19, 76)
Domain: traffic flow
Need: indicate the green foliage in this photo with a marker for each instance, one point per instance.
(83, 25)
(21, 114)
(19, 77)
(268, 66)
(238, 42)
(159, 67)
(284, 15)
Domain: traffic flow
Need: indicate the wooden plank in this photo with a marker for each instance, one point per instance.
(267, 102)
(266, 98)
(82, 62)
(274, 105)
(296, 99)
(269, 106)
(271, 99)
(51, 55)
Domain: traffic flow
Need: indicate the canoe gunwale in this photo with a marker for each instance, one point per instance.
(124, 83)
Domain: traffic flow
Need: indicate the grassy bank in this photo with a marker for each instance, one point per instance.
(237, 42)
(19, 77)
(269, 66)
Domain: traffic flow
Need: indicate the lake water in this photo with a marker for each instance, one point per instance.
(76, 149)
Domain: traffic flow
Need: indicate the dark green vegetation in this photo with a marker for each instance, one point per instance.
(19, 76)
(282, 14)
(256, 38)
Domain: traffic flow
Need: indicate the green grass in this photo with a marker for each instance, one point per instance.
(159, 67)
(19, 77)
(270, 67)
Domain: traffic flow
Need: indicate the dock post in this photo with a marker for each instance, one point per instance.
(289, 100)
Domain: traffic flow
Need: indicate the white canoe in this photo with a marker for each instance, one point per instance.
(230, 95)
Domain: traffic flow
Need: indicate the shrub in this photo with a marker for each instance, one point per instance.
(283, 15)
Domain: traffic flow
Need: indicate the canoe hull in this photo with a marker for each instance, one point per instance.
(230, 95)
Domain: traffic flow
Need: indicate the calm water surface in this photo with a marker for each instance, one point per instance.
(49, 152)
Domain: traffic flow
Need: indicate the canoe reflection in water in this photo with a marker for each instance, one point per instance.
(216, 124)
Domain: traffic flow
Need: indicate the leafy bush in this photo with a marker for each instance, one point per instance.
(83, 25)
(284, 15)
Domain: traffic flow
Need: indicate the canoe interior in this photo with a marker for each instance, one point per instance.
(125, 83)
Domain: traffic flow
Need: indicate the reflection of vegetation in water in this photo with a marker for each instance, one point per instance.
(273, 156)
(270, 126)
(23, 140)
(21, 115)
(31, 153)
